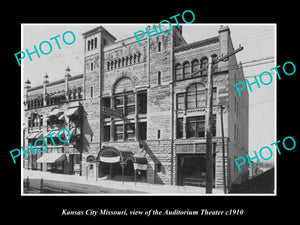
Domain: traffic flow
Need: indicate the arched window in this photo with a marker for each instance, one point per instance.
(195, 66)
(74, 93)
(42, 101)
(89, 45)
(134, 58)
(127, 60)
(130, 60)
(116, 64)
(159, 77)
(196, 96)
(204, 64)
(124, 100)
(186, 70)
(95, 42)
(108, 65)
(47, 100)
(79, 92)
(92, 43)
(178, 72)
(112, 64)
(36, 103)
(119, 62)
(139, 57)
(159, 46)
(123, 60)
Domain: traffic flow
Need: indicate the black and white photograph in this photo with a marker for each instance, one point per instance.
(109, 112)
(149, 113)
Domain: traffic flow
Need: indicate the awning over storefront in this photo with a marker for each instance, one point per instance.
(110, 159)
(51, 131)
(112, 155)
(52, 158)
(34, 135)
(54, 112)
(139, 162)
(71, 111)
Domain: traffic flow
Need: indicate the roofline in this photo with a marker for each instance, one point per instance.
(79, 76)
(99, 28)
(204, 42)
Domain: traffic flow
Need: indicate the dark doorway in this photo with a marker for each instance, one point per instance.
(191, 170)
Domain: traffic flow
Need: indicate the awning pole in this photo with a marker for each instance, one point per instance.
(122, 165)
(135, 177)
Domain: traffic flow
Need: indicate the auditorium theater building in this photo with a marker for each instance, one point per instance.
(137, 112)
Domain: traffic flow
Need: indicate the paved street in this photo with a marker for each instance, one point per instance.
(78, 184)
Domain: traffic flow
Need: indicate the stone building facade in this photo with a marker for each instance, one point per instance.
(138, 111)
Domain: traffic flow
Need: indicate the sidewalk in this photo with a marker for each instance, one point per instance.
(81, 185)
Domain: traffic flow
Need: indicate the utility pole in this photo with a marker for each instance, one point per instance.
(208, 130)
(223, 150)
(208, 120)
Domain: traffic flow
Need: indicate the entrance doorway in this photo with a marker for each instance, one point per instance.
(191, 170)
(113, 171)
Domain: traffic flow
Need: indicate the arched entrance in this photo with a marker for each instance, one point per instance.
(119, 165)
(113, 164)
(90, 166)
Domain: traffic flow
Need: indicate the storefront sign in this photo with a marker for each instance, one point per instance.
(77, 167)
(112, 112)
(110, 159)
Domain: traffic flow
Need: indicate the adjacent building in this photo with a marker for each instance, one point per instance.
(138, 111)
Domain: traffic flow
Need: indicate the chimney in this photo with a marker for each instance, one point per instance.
(224, 35)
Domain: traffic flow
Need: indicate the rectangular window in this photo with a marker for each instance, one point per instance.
(142, 102)
(237, 109)
(106, 103)
(130, 104)
(142, 130)
(92, 91)
(234, 132)
(159, 77)
(119, 103)
(92, 66)
(180, 101)
(158, 167)
(106, 136)
(119, 132)
(130, 131)
(235, 105)
(191, 99)
(201, 98)
(179, 128)
(195, 127)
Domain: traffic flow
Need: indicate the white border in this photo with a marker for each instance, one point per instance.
(145, 24)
